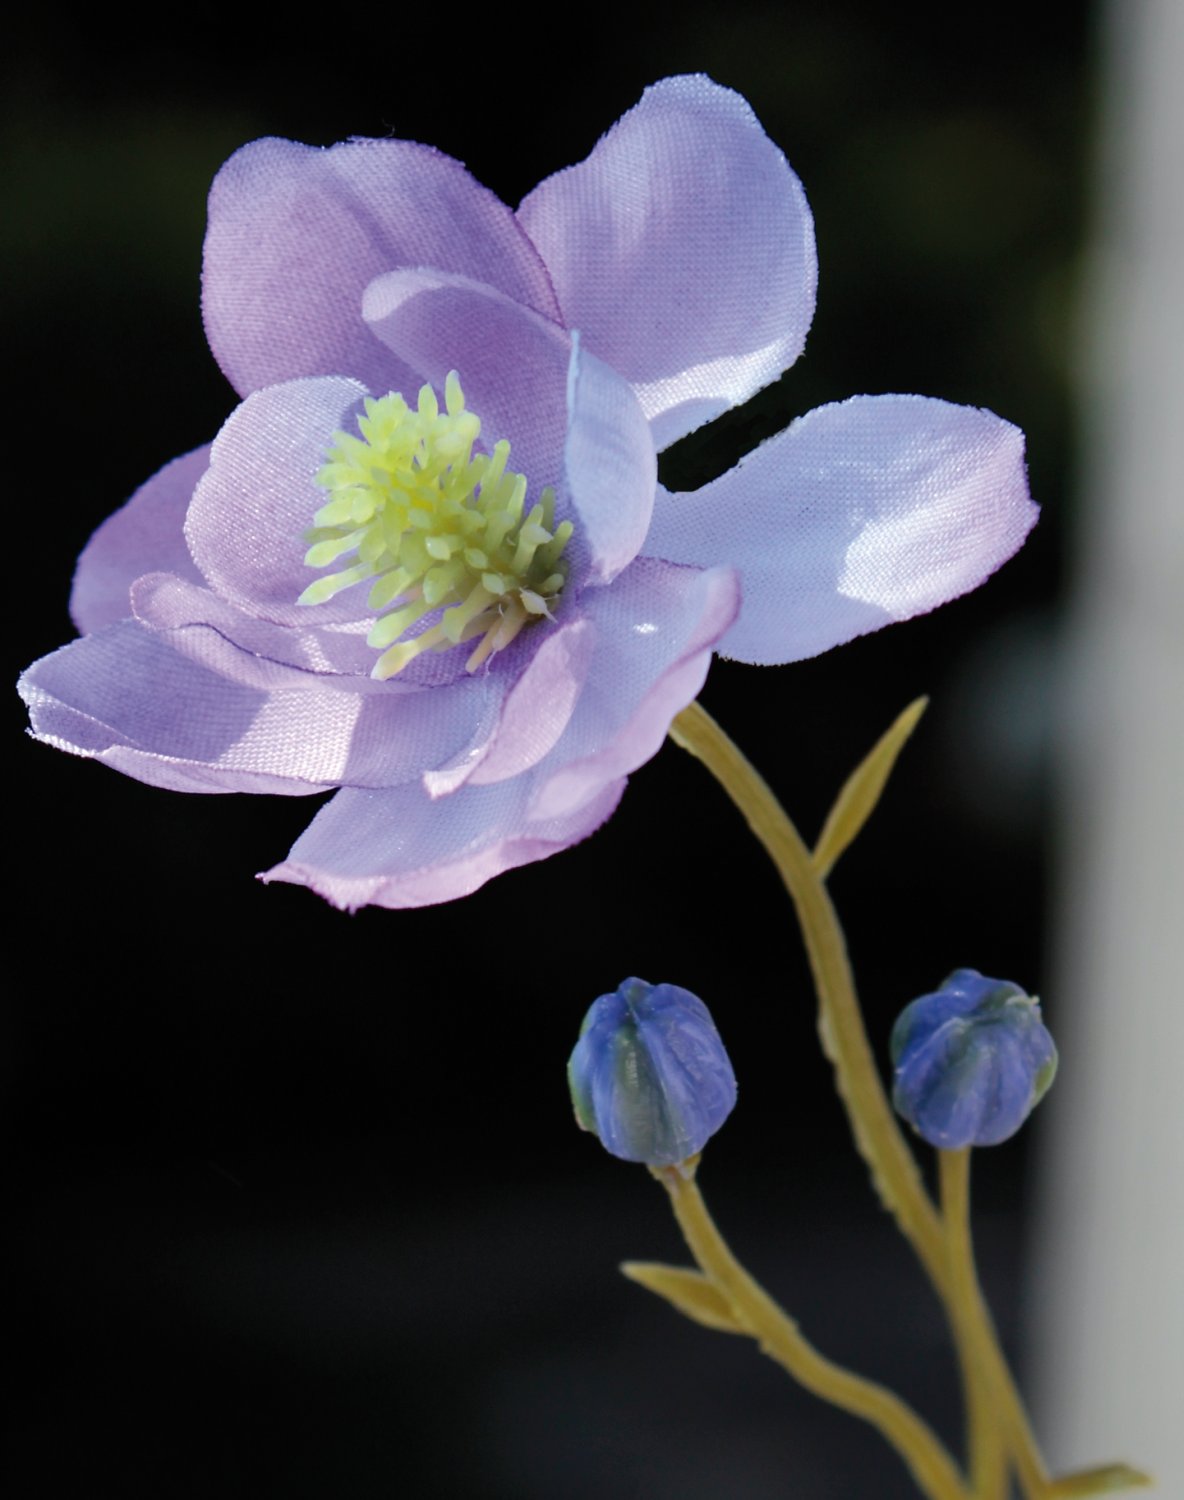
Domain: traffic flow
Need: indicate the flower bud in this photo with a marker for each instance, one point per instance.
(972, 1061)
(649, 1074)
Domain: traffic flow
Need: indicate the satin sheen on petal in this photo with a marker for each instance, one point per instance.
(655, 631)
(156, 700)
(296, 233)
(857, 515)
(247, 522)
(146, 534)
(538, 708)
(682, 249)
(166, 602)
(512, 363)
(400, 848)
(610, 465)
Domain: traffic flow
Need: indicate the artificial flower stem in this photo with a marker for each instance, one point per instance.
(893, 1167)
(779, 1337)
(844, 1039)
(987, 1455)
(978, 1344)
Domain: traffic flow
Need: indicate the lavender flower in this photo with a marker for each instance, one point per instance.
(460, 408)
(972, 1061)
(649, 1075)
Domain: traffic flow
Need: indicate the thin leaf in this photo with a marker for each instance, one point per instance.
(688, 1291)
(861, 791)
(1106, 1479)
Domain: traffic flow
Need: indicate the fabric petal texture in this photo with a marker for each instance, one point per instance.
(513, 363)
(145, 535)
(296, 233)
(655, 631)
(610, 463)
(249, 514)
(400, 848)
(683, 250)
(128, 696)
(858, 514)
(427, 563)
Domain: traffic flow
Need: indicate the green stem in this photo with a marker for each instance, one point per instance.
(978, 1343)
(989, 1470)
(840, 1022)
(779, 1338)
(844, 1039)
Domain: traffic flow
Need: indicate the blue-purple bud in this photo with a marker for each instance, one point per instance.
(972, 1061)
(649, 1074)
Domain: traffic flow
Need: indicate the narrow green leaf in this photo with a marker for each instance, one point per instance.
(1106, 1479)
(861, 791)
(688, 1291)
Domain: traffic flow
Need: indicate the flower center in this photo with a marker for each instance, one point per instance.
(438, 527)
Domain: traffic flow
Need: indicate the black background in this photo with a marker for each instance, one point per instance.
(298, 1204)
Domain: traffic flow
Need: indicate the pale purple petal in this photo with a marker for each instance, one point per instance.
(611, 465)
(401, 848)
(247, 523)
(683, 250)
(536, 711)
(167, 602)
(184, 709)
(123, 697)
(654, 634)
(859, 514)
(143, 536)
(512, 363)
(296, 233)
(569, 419)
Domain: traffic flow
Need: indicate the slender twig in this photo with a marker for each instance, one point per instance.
(844, 1039)
(989, 1469)
(779, 1338)
(893, 1167)
(975, 1333)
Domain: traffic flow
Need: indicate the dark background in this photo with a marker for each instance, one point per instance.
(299, 1206)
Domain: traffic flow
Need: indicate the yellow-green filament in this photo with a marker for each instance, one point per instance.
(444, 532)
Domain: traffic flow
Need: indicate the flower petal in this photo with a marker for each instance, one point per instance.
(166, 602)
(655, 631)
(296, 233)
(185, 709)
(402, 848)
(683, 250)
(536, 711)
(570, 420)
(247, 522)
(611, 466)
(876, 509)
(143, 536)
(512, 363)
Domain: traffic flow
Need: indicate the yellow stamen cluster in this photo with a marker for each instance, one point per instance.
(438, 527)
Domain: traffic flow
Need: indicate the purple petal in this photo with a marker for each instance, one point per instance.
(683, 250)
(175, 710)
(655, 630)
(611, 465)
(166, 602)
(123, 697)
(858, 514)
(247, 523)
(144, 536)
(401, 848)
(512, 363)
(536, 711)
(296, 233)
